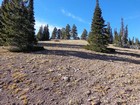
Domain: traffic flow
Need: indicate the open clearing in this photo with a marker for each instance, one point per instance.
(67, 74)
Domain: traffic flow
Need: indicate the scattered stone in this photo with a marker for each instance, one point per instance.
(89, 99)
(53, 99)
(33, 71)
(88, 92)
(96, 102)
(66, 78)
(51, 70)
(47, 88)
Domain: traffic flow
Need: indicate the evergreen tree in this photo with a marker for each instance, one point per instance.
(137, 42)
(16, 30)
(63, 31)
(16, 24)
(67, 36)
(46, 34)
(54, 33)
(59, 34)
(84, 35)
(133, 42)
(1, 36)
(123, 34)
(126, 35)
(129, 42)
(3, 16)
(74, 32)
(40, 34)
(116, 38)
(97, 40)
(31, 37)
(109, 31)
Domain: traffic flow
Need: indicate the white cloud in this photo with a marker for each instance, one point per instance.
(40, 23)
(73, 16)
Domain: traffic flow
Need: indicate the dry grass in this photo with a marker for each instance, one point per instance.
(73, 42)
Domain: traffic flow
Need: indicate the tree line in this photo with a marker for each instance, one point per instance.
(66, 33)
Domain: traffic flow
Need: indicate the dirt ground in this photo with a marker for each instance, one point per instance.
(67, 74)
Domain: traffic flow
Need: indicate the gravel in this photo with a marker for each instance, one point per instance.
(70, 76)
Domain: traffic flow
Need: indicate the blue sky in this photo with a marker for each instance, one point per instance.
(59, 13)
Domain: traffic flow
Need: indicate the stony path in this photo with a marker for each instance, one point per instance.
(69, 76)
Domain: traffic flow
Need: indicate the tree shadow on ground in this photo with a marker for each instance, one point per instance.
(89, 55)
(128, 53)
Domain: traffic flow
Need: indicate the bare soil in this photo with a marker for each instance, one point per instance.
(67, 74)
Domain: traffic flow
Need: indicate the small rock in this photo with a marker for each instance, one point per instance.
(13, 103)
(33, 71)
(59, 74)
(52, 99)
(46, 88)
(65, 78)
(97, 102)
(89, 100)
(94, 101)
(88, 92)
(51, 70)
(0, 89)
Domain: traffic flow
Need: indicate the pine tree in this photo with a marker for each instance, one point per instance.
(67, 36)
(116, 40)
(59, 36)
(63, 31)
(129, 42)
(109, 31)
(133, 42)
(16, 30)
(137, 42)
(84, 35)
(74, 32)
(3, 21)
(31, 38)
(40, 34)
(54, 33)
(16, 24)
(97, 39)
(1, 36)
(126, 35)
(123, 34)
(46, 34)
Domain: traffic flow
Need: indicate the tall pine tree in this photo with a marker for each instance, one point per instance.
(126, 35)
(67, 36)
(97, 39)
(40, 34)
(84, 35)
(59, 34)
(74, 33)
(110, 35)
(17, 26)
(46, 34)
(3, 22)
(54, 33)
(31, 17)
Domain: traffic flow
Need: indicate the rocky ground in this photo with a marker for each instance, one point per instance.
(67, 74)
